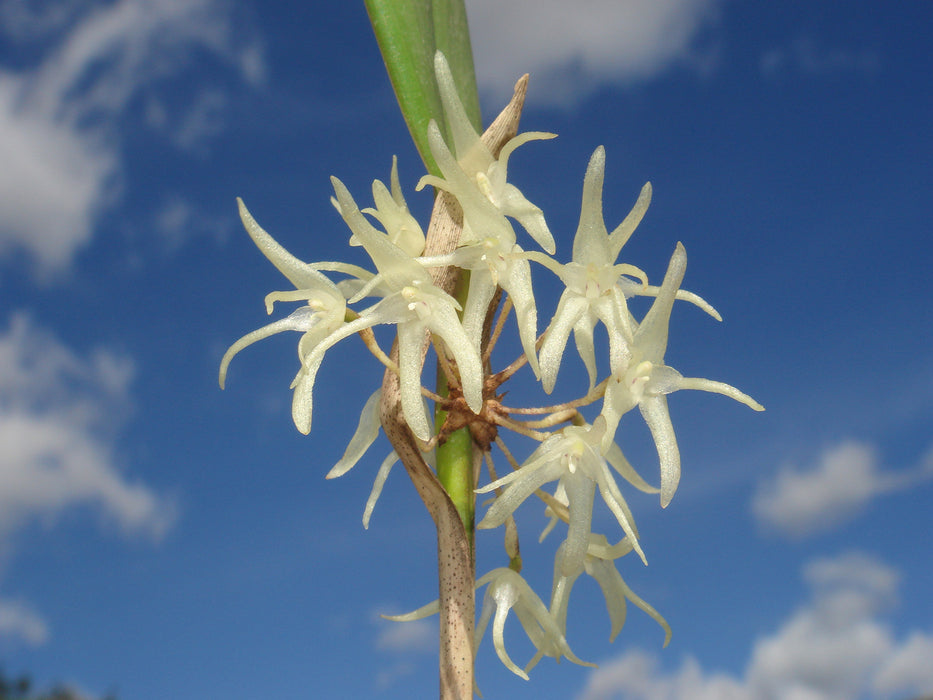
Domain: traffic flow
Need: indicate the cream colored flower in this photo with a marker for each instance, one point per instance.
(596, 286)
(576, 459)
(646, 380)
(506, 591)
(391, 211)
(476, 178)
(414, 305)
(323, 315)
(599, 563)
(488, 246)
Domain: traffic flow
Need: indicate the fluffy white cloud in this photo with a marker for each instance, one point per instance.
(907, 668)
(571, 48)
(60, 116)
(829, 648)
(802, 502)
(57, 413)
(836, 647)
(637, 676)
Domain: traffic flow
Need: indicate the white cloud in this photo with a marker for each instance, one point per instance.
(829, 648)
(802, 502)
(202, 121)
(636, 676)
(836, 647)
(571, 48)
(57, 413)
(408, 637)
(60, 118)
(805, 55)
(405, 642)
(19, 620)
(178, 219)
(908, 668)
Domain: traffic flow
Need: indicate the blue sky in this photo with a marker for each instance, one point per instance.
(161, 538)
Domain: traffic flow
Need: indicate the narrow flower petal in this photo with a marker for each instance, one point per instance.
(464, 135)
(379, 482)
(431, 608)
(620, 235)
(366, 432)
(654, 410)
(517, 283)
(651, 336)
(505, 597)
(610, 493)
(586, 348)
(618, 461)
(410, 340)
(591, 242)
(720, 388)
(297, 272)
(580, 494)
(506, 503)
(304, 382)
(291, 323)
(570, 309)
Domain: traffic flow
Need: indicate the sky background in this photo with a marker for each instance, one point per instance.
(162, 539)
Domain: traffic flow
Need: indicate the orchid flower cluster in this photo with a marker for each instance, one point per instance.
(575, 457)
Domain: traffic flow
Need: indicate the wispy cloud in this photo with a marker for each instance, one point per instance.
(19, 621)
(58, 414)
(571, 49)
(799, 502)
(408, 637)
(837, 646)
(178, 219)
(805, 55)
(61, 115)
(403, 643)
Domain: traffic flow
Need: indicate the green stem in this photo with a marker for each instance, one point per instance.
(408, 33)
(455, 455)
(455, 472)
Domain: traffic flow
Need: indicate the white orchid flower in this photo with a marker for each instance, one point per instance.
(592, 293)
(599, 564)
(475, 177)
(647, 380)
(576, 459)
(596, 287)
(506, 591)
(392, 212)
(323, 315)
(488, 243)
(414, 305)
